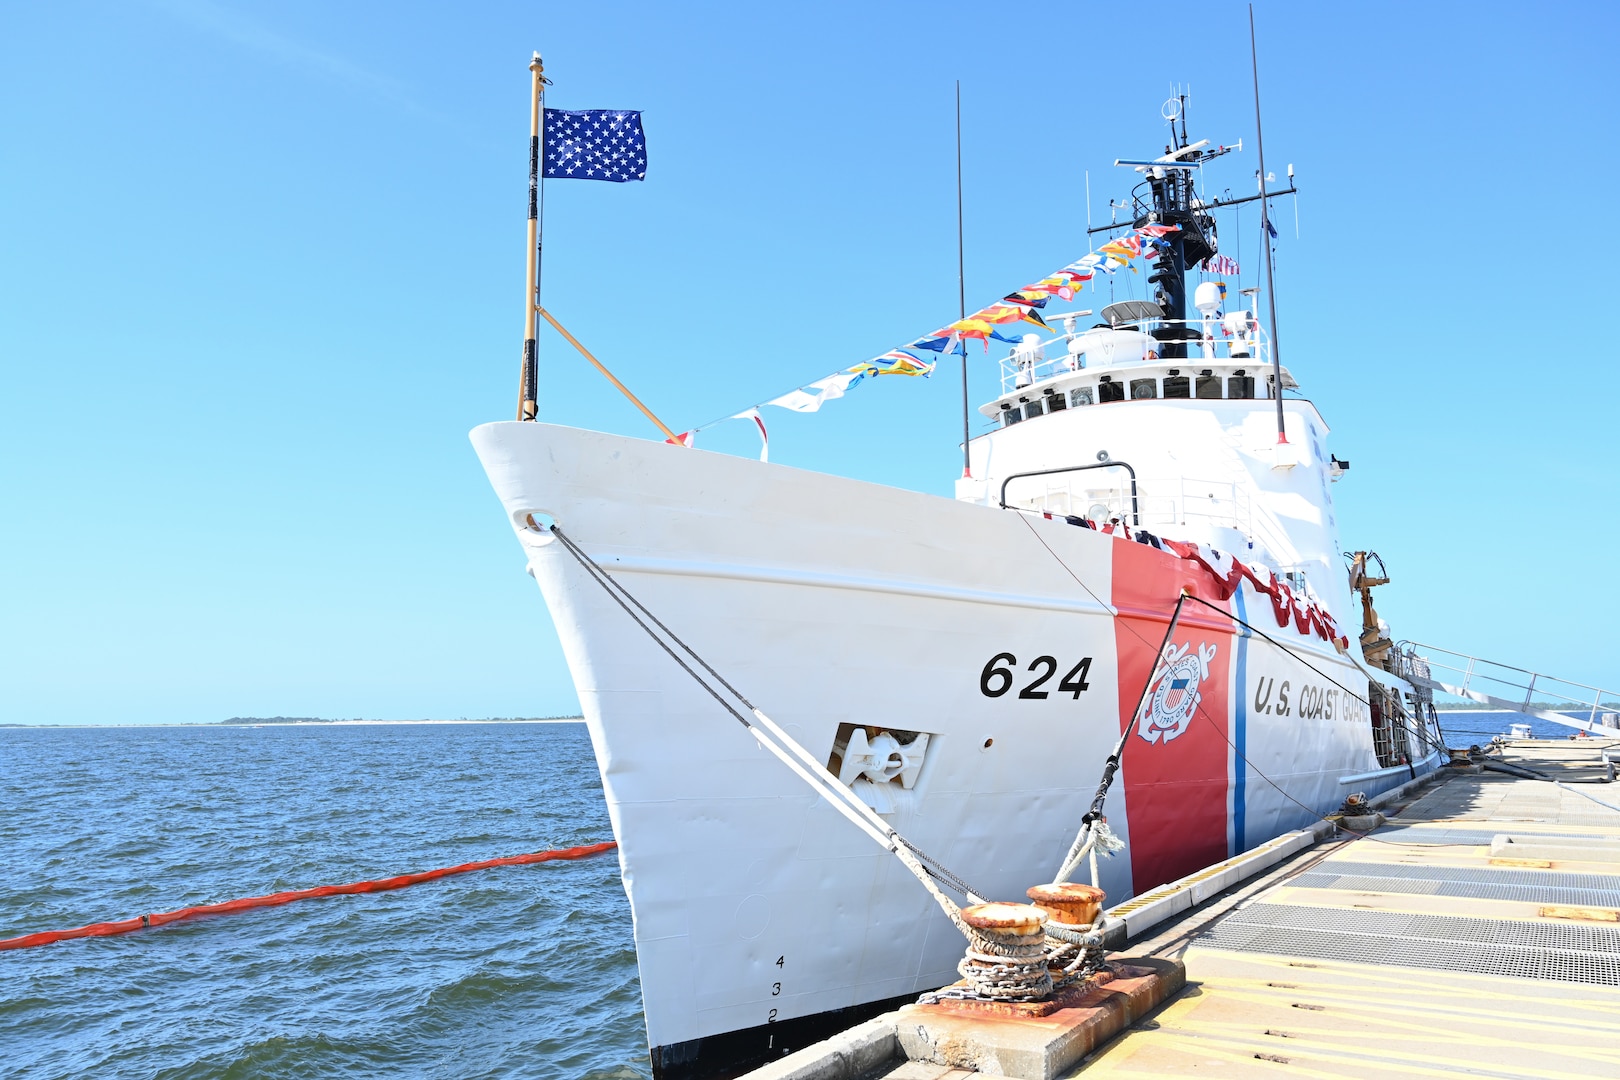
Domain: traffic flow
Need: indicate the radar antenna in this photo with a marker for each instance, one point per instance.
(1166, 196)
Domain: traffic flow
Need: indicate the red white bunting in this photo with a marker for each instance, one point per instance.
(1228, 571)
(1285, 606)
(759, 421)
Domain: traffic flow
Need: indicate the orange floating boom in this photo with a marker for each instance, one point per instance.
(125, 926)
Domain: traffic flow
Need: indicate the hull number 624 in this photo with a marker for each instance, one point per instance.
(997, 677)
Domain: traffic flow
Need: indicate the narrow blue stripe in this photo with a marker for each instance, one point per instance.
(1240, 735)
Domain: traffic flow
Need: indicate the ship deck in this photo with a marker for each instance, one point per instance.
(1477, 933)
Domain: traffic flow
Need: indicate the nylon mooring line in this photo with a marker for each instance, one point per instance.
(1111, 763)
(125, 926)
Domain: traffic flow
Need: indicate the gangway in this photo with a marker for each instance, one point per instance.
(1489, 682)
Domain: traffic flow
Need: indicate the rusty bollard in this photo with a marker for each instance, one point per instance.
(1006, 955)
(1068, 903)
(1073, 930)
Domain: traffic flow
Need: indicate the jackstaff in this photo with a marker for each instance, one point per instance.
(531, 295)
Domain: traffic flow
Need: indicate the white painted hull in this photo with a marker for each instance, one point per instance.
(827, 601)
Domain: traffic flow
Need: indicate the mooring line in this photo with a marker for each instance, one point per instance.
(783, 747)
(125, 926)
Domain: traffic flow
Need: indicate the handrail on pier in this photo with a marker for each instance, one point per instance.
(1490, 682)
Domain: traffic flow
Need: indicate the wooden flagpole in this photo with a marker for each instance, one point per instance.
(527, 407)
(532, 311)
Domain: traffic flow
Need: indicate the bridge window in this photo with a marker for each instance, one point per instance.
(1056, 402)
(1240, 386)
(1032, 409)
(1209, 386)
(1010, 416)
(1144, 388)
(1177, 386)
(1108, 390)
(1080, 395)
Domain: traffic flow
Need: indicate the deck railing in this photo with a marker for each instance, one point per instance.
(1164, 506)
(1019, 371)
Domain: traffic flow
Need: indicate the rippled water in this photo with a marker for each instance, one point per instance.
(1466, 726)
(525, 971)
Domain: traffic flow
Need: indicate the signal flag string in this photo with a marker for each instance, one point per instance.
(125, 926)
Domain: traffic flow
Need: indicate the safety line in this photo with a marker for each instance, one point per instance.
(125, 926)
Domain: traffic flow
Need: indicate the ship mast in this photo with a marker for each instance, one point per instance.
(1171, 201)
(1168, 197)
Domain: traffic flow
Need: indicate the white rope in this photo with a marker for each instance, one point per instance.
(1084, 844)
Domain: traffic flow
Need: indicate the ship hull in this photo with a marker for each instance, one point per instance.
(1020, 646)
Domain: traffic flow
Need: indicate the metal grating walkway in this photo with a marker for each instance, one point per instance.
(1470, 875)
(1525, 950)
(1483, 883)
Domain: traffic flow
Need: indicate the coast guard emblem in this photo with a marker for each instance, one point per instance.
(1174, 696)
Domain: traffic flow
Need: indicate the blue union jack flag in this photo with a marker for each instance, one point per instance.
(595, 144)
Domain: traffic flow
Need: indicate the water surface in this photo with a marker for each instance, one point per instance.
(1466, 726)
(525, 971)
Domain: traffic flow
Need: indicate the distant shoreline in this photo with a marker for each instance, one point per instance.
(278, 721)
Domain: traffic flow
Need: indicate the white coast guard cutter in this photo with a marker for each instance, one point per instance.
(1011, 631)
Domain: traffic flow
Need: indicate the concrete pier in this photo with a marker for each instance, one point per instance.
(1476, 933)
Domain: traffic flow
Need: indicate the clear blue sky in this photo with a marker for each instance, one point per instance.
(263, 270)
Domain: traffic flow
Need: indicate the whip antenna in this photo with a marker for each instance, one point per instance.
(961, 283)
(1266, 233)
